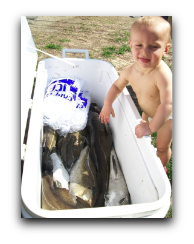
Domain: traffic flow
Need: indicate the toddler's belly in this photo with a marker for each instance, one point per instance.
(148, 107)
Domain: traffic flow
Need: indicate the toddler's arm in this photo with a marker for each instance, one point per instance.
(164, 84)
(112, 94)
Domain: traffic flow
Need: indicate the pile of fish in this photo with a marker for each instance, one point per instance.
(81, 170)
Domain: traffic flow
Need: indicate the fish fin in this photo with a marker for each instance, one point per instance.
(93, 157)
(129, 198)
(86, 142)
(122, 200)
(94, 108)
(81, 203)
(114, 165)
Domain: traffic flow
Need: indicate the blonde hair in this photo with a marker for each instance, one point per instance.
(153, 20)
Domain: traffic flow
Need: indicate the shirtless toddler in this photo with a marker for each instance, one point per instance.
(151, 80)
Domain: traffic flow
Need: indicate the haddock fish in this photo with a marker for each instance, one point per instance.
(94, 108)
(101, 144)
(71, 147)
(117, 193)
(48, 144)
(54, 198)
(83, 178)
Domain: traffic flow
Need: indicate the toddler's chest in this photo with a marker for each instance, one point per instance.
(145, 86)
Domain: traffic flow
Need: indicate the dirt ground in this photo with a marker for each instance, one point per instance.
(86, 32)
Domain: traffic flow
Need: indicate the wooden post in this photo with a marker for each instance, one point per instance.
(170, 20)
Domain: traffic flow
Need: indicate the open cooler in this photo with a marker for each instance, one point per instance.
(146, 179)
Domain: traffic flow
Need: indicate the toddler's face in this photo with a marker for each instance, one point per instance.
(148, 45)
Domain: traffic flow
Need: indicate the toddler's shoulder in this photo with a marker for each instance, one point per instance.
(128, 68)
(127, 71)
(164, 68)
(164, 73)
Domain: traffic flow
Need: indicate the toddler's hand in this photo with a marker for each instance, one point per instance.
(142, 129)
(105, 114)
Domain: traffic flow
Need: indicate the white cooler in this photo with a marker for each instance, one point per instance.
(146, 179)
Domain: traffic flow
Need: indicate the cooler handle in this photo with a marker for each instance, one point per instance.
(64, 51)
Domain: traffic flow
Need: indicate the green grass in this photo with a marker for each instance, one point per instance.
(123, 49)
(169, 170)
(64, 40)
(110, 51)
(169, 165)
(122, 37)
(170, 66)
(53, 46)
(169, 214)
(83, 28)
(69, 29)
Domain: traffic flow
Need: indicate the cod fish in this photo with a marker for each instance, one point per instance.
(101, 144)
(94, 108)
(117, 193)
(83, 182)
(54, 198)
(60, 174)
(49, 143)
(71, 147)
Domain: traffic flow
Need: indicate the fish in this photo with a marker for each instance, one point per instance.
(84, 132)
(94, 108)
(47, 165)
(100, 148)
(48, 145)
(65, 194)
(71, 147)
(117, 192)
(59, 143)
(83, 183)
(54, 198)
(60, 174)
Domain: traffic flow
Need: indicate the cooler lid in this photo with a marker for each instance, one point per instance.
(29, 59)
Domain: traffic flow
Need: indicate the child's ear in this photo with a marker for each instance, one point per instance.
(130, 43)
(166, 48)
